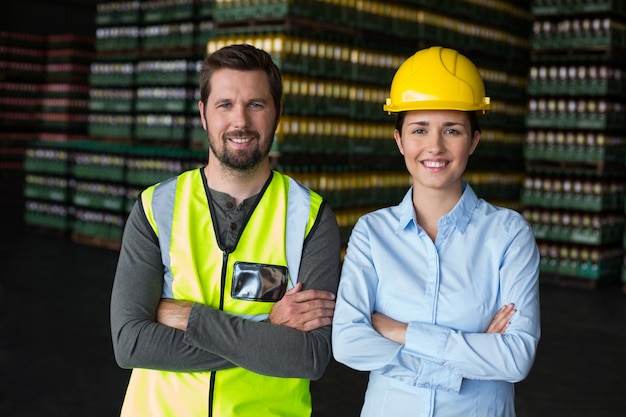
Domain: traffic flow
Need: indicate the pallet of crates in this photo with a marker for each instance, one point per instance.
(98, 192)
(111, 100)
(164, 89)
(47, 190)
(165, 11)
(112, 73)
(112, 13)
(578, 219)
(146, 165)
(574, 150)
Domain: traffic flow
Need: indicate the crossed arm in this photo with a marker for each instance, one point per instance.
(463, 344)
(299, 309)
(396, 331)
(148, 331)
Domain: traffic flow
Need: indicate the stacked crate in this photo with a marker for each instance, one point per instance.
(46, 187)
(166, 73)
(64, 110)
(142, 91)
(22, 64)
(338, 60)
(575, 150)
(44, 90)
(85, 189)
(112, 74)
(144, 80)
(63, 119)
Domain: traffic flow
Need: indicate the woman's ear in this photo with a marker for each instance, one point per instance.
(398, 138)
(475, 141)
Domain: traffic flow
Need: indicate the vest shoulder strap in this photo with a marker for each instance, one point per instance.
(298, 211)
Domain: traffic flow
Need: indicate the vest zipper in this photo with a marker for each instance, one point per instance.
(222, 289)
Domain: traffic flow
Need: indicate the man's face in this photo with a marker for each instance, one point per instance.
(240, 118)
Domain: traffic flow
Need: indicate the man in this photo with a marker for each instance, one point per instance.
(224, 291)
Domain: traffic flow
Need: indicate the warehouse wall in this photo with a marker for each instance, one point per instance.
(47, 17)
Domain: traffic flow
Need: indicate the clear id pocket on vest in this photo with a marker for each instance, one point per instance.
(258, 282)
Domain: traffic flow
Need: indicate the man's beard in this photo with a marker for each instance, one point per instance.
(241, 160)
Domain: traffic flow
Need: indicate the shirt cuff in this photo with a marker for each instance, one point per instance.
(192, 336)
(439, 377)
(426, 341)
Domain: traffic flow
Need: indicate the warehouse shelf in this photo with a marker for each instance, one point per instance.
(336, 69)
(113, 13)
(558, 8)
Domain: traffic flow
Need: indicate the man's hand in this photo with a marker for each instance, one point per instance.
(501, 321)
(389, 328)
(174, 313)
(304, 310)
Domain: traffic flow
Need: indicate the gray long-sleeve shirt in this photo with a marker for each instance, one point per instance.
(214, 339)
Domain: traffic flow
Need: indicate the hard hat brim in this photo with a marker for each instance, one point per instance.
(438, 105)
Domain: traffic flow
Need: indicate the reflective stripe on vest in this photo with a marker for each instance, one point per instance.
(178, 213)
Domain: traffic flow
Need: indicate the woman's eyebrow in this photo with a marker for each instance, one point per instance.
(427, 123)
(420, 123)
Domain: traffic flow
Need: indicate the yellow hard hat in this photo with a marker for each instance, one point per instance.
(437, 78)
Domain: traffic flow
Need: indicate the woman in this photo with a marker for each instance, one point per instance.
(439, 296)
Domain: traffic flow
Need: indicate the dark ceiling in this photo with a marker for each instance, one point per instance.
(49, 17)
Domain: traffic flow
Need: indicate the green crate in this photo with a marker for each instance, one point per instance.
(45, 214)
(112, 13)
(98, 230)
(123, 43)
(107, 130)
(46, 193)
(173, 133)
(114, 106)
(93, 160)
(548, 265)
(97, 201)
(110, 125)
(162, 105)
(99, 224)
(46, 220)
(184, 10)
(204, 8)
(51, 162)
(99, 195)
(160, 126)
(597, 270)
(165, 78)
(112, 74)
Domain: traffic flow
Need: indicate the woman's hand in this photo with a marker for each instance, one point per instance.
(501, 321)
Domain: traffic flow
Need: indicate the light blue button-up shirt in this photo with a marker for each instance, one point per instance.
(448, 292)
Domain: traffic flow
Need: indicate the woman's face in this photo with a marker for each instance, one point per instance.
(436, 145)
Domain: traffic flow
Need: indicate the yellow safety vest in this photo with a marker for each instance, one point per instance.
(196, 269)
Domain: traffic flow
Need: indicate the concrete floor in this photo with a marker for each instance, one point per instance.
(56, 358)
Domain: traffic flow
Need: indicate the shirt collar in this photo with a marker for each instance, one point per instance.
(459, 215)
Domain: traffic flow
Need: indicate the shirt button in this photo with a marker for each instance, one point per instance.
(229, 205)
(233, 226)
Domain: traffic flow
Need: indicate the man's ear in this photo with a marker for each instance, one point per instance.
(202, 118)
(278, 116)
